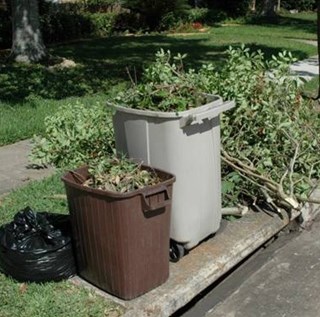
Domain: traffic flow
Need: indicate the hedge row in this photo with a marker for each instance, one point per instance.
(60, 25)
(301, 5)
(67, 22)
(93, 18)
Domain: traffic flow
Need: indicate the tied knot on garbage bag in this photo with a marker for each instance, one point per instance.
(35, 232)
(36, 247)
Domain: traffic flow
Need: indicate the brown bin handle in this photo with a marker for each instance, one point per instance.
(77, 177)
(154, 206)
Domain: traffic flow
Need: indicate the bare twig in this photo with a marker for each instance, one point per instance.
(292, 162)
(135, 75)
(130, 77)
(283, 177)
(312, 168)
(246, 169)
(235, 211)
(298, 181)
(262, 182)
(253, 181)
(270, 200)
(261, 210)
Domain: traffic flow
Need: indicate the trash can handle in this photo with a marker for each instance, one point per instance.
(157, 205)
(77, 177)
(209, 114)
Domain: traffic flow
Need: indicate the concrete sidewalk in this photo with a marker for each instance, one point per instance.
(307, 69)
(15, 169)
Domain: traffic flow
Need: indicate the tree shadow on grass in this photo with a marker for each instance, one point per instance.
(291, 22)
(101, 64)
(104, 63)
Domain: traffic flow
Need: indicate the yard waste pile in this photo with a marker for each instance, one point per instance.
(36, 247)
(167, 121)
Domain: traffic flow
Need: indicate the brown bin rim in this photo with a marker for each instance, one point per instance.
(146, 190)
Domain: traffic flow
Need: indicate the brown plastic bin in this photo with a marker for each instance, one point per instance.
(121, 240)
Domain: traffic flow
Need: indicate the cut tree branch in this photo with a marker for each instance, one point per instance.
(265, 184)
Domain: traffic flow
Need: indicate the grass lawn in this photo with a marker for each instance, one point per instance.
(24, 119)
(30, 92)
(61, 299)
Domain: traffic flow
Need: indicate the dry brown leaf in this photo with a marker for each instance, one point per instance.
(23, 288)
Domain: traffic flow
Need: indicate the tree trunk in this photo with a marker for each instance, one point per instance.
(279, 5)
(269, 8)
(27, 43)
(253, 6)
(3, 5)
(318, 45)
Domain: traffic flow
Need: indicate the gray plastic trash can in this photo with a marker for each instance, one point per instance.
(188, 145)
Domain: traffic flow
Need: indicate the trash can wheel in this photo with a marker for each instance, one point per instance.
(177, 251)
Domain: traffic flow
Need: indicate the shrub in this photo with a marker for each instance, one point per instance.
(185, 19)
(64, 22)
(129, 21)
(197, 15)
(233, 8)
(95, 6)
(301, 5)
(60, 25)
(75, 135)
(101, 24)
(171, 21)
(152, 11)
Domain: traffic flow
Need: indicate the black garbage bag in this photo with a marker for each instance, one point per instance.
(36, 247)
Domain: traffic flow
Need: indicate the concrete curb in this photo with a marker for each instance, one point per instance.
(208, 262)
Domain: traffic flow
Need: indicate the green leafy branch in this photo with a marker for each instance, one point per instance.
(271, 139)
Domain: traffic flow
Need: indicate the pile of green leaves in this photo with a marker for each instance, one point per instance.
(271, 138)
(119, 175)
(165, 86)
(75, 135)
